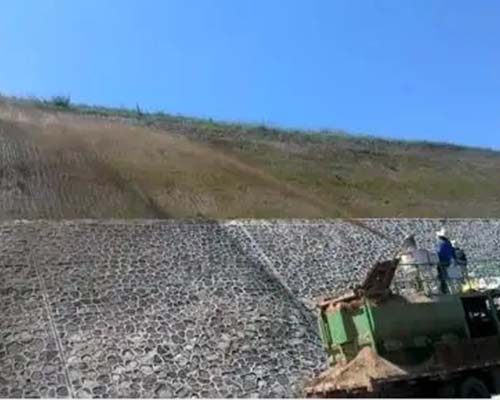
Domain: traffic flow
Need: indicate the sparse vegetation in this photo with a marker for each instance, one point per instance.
(139, 112)
(208, 127)
(163, 165)
(61, 101)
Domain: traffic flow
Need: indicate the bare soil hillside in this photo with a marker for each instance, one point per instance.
(70, 164)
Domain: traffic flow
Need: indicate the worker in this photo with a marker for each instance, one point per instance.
(460, 256)
(409, 244)
(446, 256)
(408, 277)
(461, 260)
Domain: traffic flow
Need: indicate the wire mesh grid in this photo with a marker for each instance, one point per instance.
(435, 279)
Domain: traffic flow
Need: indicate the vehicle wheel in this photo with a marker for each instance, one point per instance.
(474, 388)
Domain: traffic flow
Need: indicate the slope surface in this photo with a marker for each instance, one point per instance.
(59, 165)
(178, 309)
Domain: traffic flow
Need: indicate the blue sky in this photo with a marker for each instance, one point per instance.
(415, 69)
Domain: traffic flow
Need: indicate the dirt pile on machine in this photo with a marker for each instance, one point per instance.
(357, 376)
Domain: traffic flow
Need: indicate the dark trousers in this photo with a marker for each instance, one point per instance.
(443, 275)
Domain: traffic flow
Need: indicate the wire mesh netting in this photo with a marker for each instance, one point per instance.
(434, 279)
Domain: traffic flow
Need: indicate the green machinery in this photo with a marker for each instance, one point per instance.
(381, 343)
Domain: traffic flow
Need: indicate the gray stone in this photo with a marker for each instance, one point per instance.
(62, 392)
(146, 369)
(157, 359)
(103, 379)
(49, 369)
(83, 393)
(15, 392)
(14, 348)
(164, 391)
(182, 392)
(99, 390)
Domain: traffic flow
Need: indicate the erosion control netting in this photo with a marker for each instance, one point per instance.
(175, 309)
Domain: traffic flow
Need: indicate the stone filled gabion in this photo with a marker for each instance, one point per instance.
(173, 309)
(325, 258)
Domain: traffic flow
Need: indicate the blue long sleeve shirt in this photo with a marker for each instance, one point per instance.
(445, 251)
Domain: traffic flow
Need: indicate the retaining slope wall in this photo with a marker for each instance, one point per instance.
(179, 309)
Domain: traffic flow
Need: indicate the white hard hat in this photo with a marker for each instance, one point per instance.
(441, 233)
(454, 243)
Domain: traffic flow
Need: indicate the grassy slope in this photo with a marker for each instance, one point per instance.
(164, 166)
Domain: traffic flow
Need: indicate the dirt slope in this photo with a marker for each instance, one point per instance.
(58, 164)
